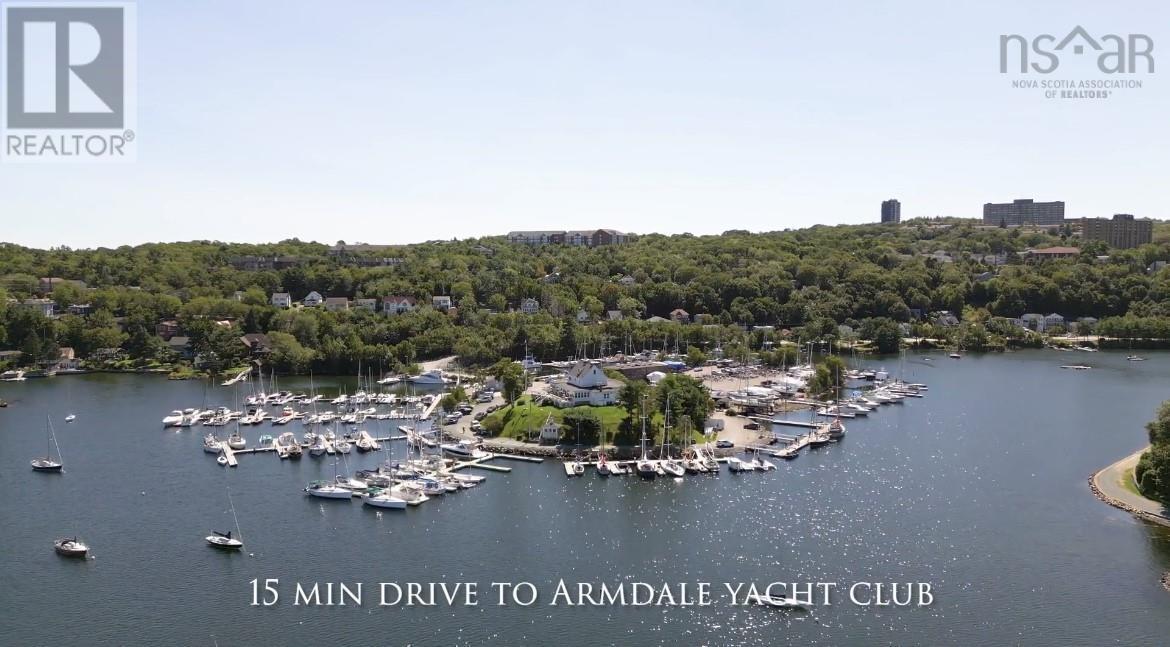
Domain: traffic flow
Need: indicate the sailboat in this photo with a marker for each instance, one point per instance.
(224, 540)
(47, 464)
(329, 489)
(70, 547)
(670, 466)
(575, 467)
(645, 466)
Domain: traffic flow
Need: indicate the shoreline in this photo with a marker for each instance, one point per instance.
(1117, 502)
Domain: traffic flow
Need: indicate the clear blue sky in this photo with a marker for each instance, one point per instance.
(401, 121)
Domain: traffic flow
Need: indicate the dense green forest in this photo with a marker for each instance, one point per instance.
(824, 283)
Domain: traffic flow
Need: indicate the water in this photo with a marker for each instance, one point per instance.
(979, 488)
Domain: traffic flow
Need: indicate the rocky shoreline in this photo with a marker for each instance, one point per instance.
(1140, 514)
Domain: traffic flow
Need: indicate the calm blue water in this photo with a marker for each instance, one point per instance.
(979, 488)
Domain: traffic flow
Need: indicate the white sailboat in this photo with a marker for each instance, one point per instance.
(48, 463)
(645, 467)
(225, 540)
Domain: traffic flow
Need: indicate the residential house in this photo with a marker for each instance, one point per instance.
(984, 276)
(238, 295)
(627, 280)
(256, 343)
(281, 300)
(1156, 266)
(614, 315)
(1053, 320)
(80, 309)
(579, 238)
(396, 305)
(657, 319)
(181, 345)
(1087, 323)
(313, 299)
(946, 319)
(582, 316)
(1050, 253)
(550, 431)
(441, 303)
(587, 383)
(336, 304)
(680, 315)
(1033, 321)
(554, 277)
(167, 328)
(530, 306)
(365, 304)
(67, 360)
(44, 306)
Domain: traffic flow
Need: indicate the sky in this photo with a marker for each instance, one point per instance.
(399, 121)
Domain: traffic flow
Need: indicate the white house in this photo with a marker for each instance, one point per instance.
(1052, 320)
(530, 306)
(44, 306)
(313, 299)
(550, 431)
(396, 305)
(1033, 320)
(441, 303)
(281, 300)
(586, 383)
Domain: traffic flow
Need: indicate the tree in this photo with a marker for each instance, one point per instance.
(687, 397)
(511, 378)
(695, 356)
(829, 376)
(583, 420)
(883, 332)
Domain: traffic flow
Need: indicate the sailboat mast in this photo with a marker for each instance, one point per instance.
(239, 534)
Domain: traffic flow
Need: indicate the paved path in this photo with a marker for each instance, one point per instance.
(1110, 482)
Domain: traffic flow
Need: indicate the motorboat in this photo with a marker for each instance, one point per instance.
(410, 495)
(351, 484)
(70, 418)
(735, 465)
(70, 547)
(384, 499)
(173, 419)
(429, 377)
(327, 490)
(1135, 358)
(223, 540)
(12, 376)
(836, 430)
(462, 449)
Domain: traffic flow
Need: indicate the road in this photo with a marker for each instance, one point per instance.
(1109, 481)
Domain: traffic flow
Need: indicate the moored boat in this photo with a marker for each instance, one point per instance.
(70, 547)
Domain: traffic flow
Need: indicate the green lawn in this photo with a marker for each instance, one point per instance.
(516, 421)
(1127, 482)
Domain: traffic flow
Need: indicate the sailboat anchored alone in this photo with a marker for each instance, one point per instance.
(48, 464)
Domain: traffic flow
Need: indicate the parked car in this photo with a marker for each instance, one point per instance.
(724, 444)
(752, 425)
